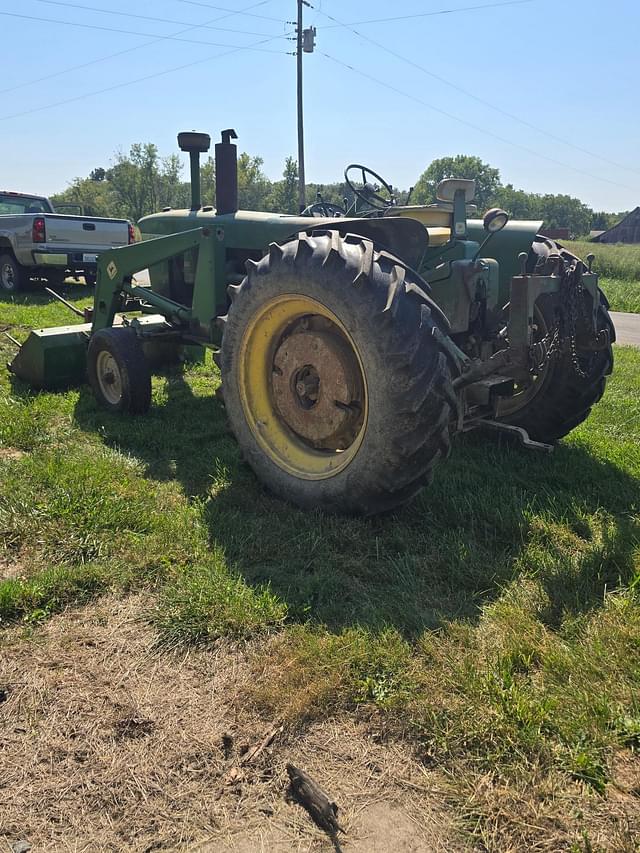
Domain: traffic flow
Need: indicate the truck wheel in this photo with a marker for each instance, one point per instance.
(118, 372)
(13, 276)
(334, 383)
(560, 398)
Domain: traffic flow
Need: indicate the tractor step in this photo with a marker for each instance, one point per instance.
(517, 432)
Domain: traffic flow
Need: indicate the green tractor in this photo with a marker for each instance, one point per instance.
(352, 344)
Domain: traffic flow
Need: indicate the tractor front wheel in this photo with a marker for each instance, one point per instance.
(118, 371)
(334, 383)
(564, 392)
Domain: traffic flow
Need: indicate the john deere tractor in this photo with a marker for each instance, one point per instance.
(353, 344)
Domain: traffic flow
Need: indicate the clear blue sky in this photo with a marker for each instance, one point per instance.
(565, 66)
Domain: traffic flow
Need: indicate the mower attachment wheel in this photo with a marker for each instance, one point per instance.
(118, 371)
(333, 379)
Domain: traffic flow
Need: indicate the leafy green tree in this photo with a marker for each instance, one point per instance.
(563, 211)
(208, 181)
(602, 221)
(461, 166)
(253, 184)
(96, 197)
(134, 180)
(143, 182)
(518, 203)
(284, 194)
(171, 191)
(331, 193)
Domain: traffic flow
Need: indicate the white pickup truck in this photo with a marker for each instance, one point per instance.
(36, 242)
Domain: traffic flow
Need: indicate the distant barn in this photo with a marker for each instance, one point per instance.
(556, 233)
(626, 231)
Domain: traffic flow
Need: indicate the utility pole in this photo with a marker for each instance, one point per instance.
(305, 43)
(301, 180)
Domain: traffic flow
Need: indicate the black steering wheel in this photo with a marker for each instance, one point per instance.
(368, 192)
(324, 209)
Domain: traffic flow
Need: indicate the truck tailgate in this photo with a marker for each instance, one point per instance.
(88, 233)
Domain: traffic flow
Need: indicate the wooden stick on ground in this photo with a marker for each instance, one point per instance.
(266, 741)
(313, 798)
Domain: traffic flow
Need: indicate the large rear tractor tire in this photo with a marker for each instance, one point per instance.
(561, 397)
(334, 383)
(118, 371)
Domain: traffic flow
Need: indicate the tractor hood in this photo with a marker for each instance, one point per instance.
(506, 245)
(254, 230)
(402, 236)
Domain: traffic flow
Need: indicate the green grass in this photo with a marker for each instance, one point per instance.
(495, 620)
(35, 308)
(618, 266)
(612, 260)
(622, 295)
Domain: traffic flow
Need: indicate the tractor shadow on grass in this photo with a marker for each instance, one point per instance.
(494, 514)
(183, 437)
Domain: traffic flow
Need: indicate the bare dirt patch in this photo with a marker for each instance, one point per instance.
(625, 776)
(11, 454)
(11, 567)
(108, 744)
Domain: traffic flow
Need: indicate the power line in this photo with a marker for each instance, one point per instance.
(224, 9)
(137, 47)
(470, 124)
(429, 14)
(133, 33)
(138, 80)
(147, 17)
(477, 98)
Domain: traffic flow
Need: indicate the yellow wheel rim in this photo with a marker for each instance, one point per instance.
(302, 387)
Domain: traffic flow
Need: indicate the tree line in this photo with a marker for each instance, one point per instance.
(142, 182)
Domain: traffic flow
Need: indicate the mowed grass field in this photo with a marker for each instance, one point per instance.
(493, 625)
(619, 268)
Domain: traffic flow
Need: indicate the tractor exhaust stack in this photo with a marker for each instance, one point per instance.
(195, 144)
(227, 173)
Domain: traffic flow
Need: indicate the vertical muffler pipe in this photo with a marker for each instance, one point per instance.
(196, 144)
(227, 173)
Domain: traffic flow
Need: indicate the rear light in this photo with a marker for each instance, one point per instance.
(132, 234)
(38, 230)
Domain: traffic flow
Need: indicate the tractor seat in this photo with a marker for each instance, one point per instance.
(446, 192)
(437, 218)
(431, 216)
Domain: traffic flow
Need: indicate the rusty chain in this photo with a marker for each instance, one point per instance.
(563, 331)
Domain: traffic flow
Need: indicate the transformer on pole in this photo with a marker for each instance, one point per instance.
(306, 40)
